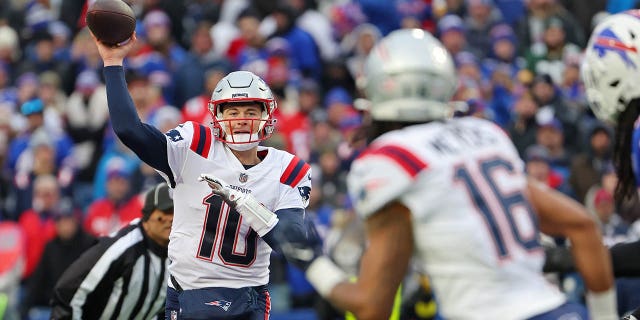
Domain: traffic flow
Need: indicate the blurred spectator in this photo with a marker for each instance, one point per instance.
(356, 46)
(119, 152)
(502, 51)
(9, 50)
(87, 118)
(197, 108)
(482, 15)
(614, 229)
(383, 14)
(118, 207)
(512, 10)
(248, 52)
(333, 179)
(339, 105)
(8, 92)
(296, 127)
(161, 56)
(583, 14)
(552, 104)
(69, 243)
(416, 14)
(452, 33)
(38, 160)
(306, 55)
(42, 59)
(471, 85)
(84, 53)
(587, 167)
(283, 74)
(571, 85)
(538, 167)
(190, 76)
(345, 17)
(147, 97)
(61, 38)
(12, 260)
(336, 74)
(35, 114)
(550, 134)
(523, 127)
(549, 56)
(317, 25)
(530, 30)
(37, 222)
(50, 91)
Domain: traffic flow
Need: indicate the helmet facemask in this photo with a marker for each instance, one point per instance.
(242, 89)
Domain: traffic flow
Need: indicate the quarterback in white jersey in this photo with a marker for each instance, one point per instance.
(452, 194)
(210, 246)
(219, 259)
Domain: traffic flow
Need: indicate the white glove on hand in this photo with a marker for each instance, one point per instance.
(261, 219)
(221, 188)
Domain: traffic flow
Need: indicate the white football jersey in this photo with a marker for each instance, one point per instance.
(476, 235)
(210, 245)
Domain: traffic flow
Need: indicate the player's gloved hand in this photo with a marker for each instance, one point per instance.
(261, 219)
(301, 253)
(629, 317)
(221, 188)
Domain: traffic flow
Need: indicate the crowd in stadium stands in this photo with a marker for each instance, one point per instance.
(65, 178)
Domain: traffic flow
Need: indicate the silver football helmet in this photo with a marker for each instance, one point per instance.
(409, 77)
(241, 86)
(611, 64)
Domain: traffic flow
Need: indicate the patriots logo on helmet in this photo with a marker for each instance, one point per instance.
(607, 41)
(305, 193)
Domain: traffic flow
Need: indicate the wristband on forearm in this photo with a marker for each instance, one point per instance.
(602, 305)
(261, 219)
(324, 275)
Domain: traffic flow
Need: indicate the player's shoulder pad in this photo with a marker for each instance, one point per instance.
(397, 154)
(198, 137)
(295, 171)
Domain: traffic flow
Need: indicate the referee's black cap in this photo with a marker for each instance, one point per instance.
(157, 198)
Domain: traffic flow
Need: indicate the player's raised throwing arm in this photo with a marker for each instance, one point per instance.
(145, 140)
(560, 215)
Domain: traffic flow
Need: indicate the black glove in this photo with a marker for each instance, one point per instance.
(301, 253)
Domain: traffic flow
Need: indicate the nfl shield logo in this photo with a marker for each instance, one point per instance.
(243, 177)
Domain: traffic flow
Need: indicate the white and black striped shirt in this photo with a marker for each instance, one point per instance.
(121, 277)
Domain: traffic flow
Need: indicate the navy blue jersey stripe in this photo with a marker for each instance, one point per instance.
(294, 173)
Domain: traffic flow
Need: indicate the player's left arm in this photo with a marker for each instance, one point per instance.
(285, 225)
(382, 268)
(561, 215)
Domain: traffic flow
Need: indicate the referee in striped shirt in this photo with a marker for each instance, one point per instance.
(123, 276)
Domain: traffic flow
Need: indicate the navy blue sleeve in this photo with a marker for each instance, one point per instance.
(290, 228)
(146, 141)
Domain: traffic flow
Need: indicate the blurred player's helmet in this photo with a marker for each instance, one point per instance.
(409, 76)
(242, 86)
(611, 65)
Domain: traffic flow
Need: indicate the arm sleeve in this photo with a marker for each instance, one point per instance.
(146, 141)
(290, 228)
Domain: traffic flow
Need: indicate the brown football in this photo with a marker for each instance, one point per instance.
(111, 21)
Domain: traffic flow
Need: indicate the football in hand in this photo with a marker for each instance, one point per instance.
(111, 21)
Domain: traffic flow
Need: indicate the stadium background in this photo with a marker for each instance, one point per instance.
(63, 171)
